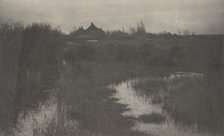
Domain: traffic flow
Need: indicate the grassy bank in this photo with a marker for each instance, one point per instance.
(10, 46)
(190, 101)
(199, 102)
(28, 65)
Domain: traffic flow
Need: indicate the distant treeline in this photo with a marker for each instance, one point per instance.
(121, 35)
(139, 31)
(164, 35)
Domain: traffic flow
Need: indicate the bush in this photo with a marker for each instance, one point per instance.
(38, 64)
(10, 45)
(153, 118)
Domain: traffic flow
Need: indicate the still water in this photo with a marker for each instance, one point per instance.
(49, 118)
(140, 104)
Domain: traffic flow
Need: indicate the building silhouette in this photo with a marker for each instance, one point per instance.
(91, 33)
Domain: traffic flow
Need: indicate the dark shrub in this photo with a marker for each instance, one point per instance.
(153, 118)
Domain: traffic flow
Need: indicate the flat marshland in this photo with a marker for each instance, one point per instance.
(113, 87)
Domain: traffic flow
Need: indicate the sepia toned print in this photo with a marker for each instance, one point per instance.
(111, 68)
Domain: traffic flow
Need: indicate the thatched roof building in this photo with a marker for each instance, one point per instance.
(92, 32)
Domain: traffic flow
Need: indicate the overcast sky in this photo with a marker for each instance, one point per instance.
(200, 16)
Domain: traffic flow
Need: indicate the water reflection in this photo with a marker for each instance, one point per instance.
(49, 118)
(37, 118)
(140, 104)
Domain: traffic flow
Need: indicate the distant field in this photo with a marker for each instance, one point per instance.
(189, 54)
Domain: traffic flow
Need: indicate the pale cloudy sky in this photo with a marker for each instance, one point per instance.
(200, 16)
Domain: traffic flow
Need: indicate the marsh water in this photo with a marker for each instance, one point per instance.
(49, 118)
(142, 105)
(49, 114)
(39, 118)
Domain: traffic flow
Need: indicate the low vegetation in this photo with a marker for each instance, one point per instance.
(29, 65)
(152, 118)
(198, 102)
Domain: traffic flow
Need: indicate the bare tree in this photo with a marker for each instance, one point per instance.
(186, 32)
(139, 30)
(74, 29)
(132, 30)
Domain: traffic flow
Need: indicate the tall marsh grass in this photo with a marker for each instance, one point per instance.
(190, 99)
